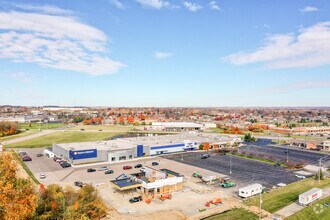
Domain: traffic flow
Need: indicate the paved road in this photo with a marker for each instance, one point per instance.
(295, 207)
(32, 136)
(244, 171)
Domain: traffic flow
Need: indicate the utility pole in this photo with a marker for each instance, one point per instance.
(287, 155)
(230, 163)
(260, 202)
(320, 162)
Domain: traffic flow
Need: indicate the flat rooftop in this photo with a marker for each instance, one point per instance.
(155, 140)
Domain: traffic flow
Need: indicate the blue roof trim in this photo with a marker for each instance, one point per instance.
(166, 146)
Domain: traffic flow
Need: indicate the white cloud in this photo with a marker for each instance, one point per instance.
(309, 48)
(118, 4)
(162, 55)
(192, 6)
(214, 5)
(56, 41)
(308, 9)
(157, 4)
(47, 9)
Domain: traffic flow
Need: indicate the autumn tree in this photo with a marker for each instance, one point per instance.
(17, 196)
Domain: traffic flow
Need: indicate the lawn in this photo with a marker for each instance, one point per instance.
(110, 128)
(22, 134)
(281, 197)
(42, 126)
(317, 211)
(63, 137)
(233, 214)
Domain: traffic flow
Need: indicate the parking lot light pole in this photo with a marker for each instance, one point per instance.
(230, 163)
(320, 162)
(260, 202)
(287, 155)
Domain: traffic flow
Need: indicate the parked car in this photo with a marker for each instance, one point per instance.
(42, 176)
(204, 156)
(154, 163)
(135, 199)
(82, 129)
(103, 168)
(143, 169)
(127, 167)
(108, 172)
(22, 153)
(65, 165)
(300, 176)
(277, 165)
(138, 165)
(40, 155)
(26, 158)
(89, 170)
(79, 184)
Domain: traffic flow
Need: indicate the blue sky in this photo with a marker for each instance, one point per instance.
(165, 53)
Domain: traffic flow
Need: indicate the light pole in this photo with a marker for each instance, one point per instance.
(320, 164)
(230, 163)
(260, 202)
(287, 155)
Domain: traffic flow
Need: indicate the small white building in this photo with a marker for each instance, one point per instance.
(176, 126)
(310, 196)
(250, 190)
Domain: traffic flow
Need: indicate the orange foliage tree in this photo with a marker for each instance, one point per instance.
(17, 196)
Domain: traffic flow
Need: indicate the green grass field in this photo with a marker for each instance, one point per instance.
(233, 214)
(63, 137)
(22, 134)
(112, 128)
(40, 126)
(281, 197)
(317, 211)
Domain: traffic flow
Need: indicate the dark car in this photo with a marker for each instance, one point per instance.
(89, 170)
(127, 167)
(108, 172)
(22, 153)
(154, 163)
(79, 184)
(138, 165)
(277, 165)
(204, 156)
(40, 155)
(135, 199)
(26, 158)
(65, 165)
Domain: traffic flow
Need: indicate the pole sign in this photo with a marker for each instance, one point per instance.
(82, 154)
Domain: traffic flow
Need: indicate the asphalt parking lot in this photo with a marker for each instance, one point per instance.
(244, 171)
(263, 146)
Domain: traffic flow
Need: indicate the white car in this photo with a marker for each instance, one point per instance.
(103, 168)
(300, 176)
(42, 176)
(143, 169)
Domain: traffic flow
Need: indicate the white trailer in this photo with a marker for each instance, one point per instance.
(250, 190)
(209, 178)
(310, 196)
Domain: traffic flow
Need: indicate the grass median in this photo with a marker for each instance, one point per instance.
(281, 197)
(42, 126)
(233, 214)
(63, 137)
(255, 158)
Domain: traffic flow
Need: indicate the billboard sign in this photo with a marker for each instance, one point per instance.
(82, 154)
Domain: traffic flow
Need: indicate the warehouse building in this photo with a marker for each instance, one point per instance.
(122, 149)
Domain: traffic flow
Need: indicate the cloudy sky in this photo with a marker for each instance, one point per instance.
(165, 53)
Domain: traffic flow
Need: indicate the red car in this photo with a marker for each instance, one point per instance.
(127, 167)
(26, 158)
